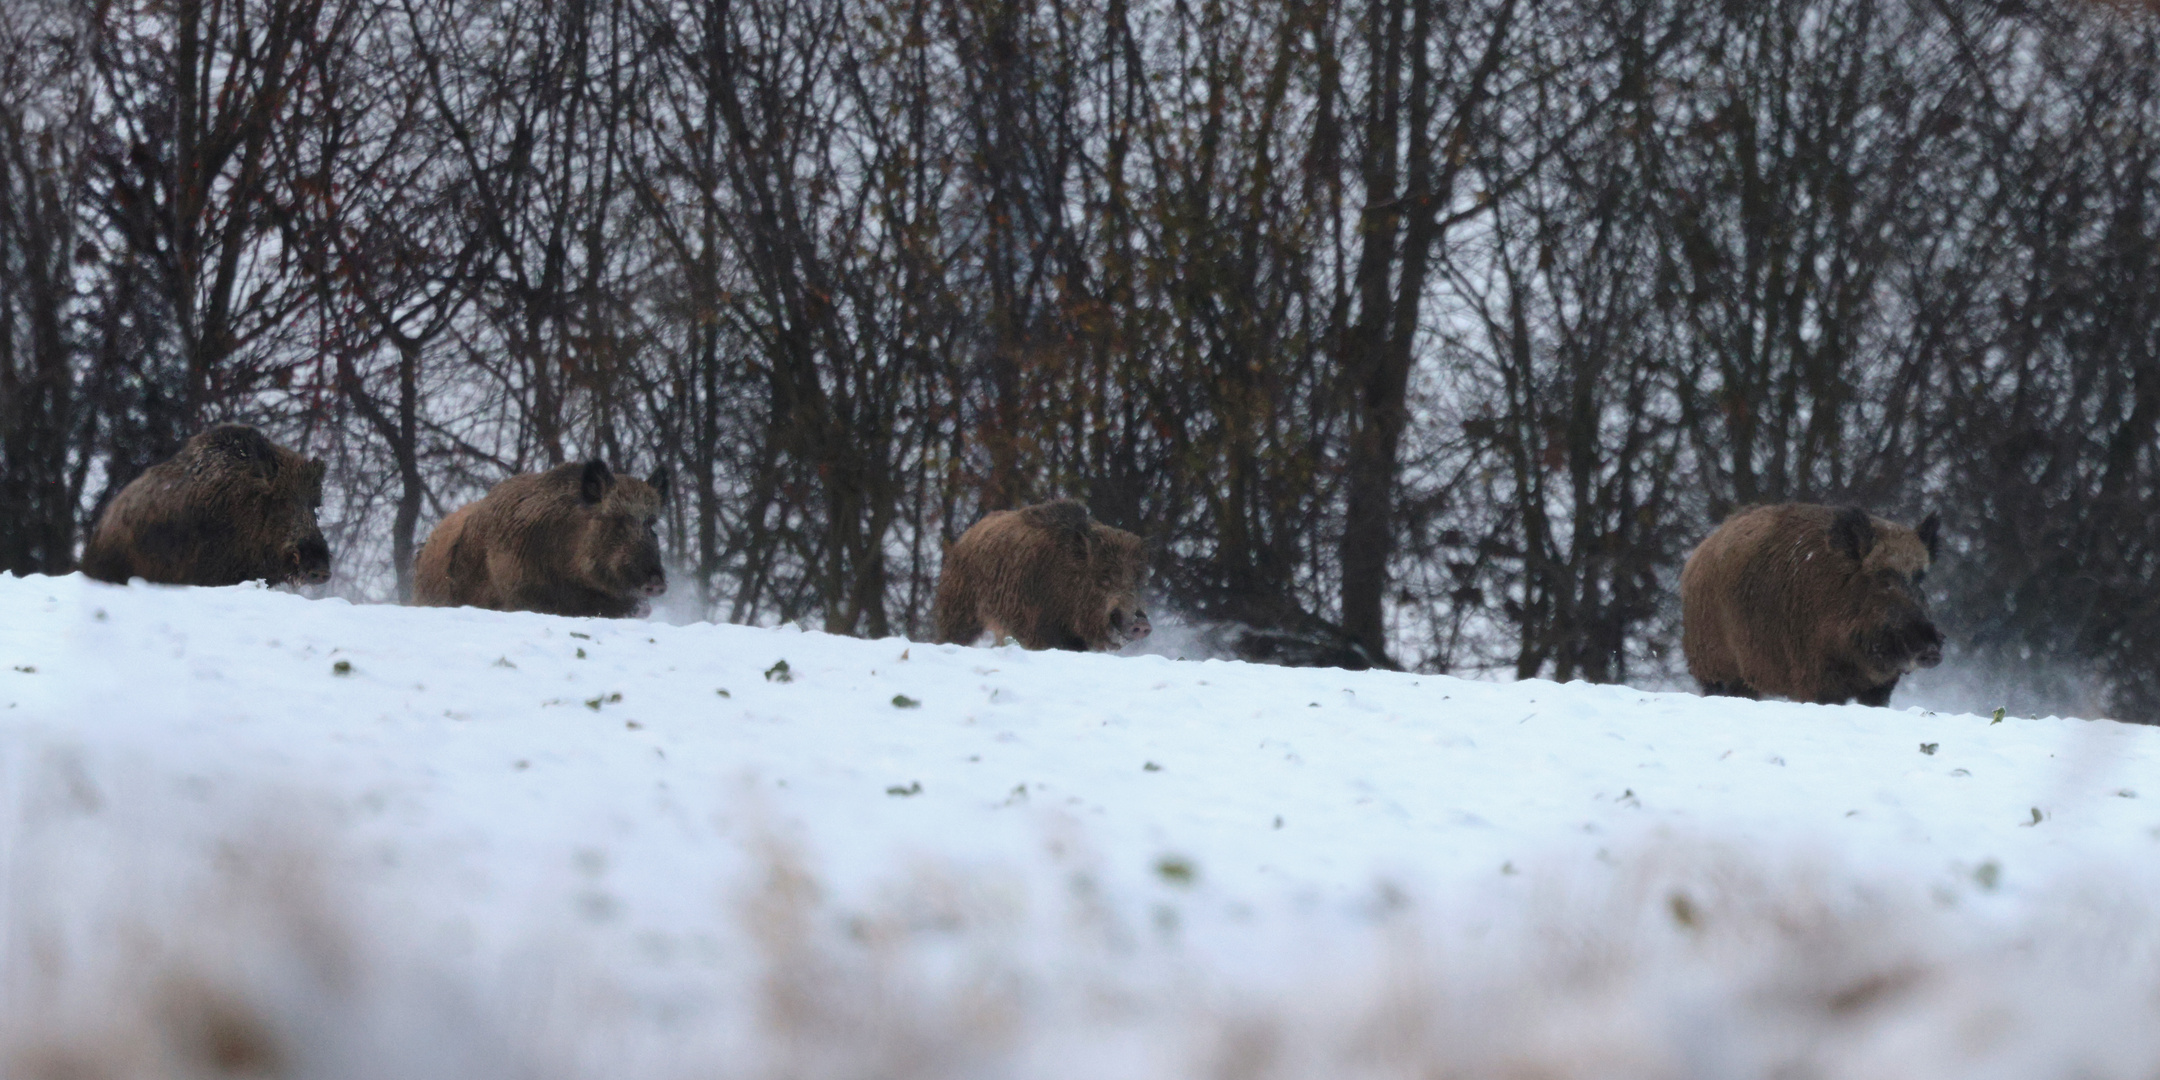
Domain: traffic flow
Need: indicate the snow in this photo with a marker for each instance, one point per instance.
(557, 846)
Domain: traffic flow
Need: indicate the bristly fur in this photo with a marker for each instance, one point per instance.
(1046, 576)
(231, 506)
(574, 540)
(1810, 603)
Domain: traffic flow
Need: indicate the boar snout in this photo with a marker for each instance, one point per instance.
(1928, 646)
(655, 583)
(1904, 647)
(308, 562)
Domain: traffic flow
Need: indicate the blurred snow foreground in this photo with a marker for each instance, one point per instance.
(247, 834)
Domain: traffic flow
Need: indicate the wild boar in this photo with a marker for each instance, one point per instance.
(1809, 602)
(1046, 576)
(574, 540)
(231, 506)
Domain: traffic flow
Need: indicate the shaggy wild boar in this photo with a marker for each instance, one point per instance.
(574, 540)
(1045, 576)
(1808, 602)
(231, 506)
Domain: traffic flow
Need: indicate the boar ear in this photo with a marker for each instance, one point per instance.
(1852, 533)
(659, 481)
(315, 470)
(1067, 523)
(594, 482)
(243, 446)
(1931, 531)
(1063, 515)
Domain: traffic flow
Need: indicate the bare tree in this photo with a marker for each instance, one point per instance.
(44, 107)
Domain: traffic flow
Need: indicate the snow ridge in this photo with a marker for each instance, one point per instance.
(325, 839)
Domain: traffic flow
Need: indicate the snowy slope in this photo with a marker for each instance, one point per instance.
(905, 859)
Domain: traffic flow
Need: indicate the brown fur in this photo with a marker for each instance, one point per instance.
(231, 506)
(1808, 602)
(1045, 576)
(574, 540)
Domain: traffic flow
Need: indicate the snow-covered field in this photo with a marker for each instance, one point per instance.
(248, 833)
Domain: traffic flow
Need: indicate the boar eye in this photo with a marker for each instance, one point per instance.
(1919, 576)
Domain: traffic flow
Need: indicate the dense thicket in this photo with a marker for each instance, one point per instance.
(1427, 332)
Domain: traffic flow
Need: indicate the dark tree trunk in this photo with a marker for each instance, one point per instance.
(37, 386)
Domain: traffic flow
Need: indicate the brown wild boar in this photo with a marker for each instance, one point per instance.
(1808, 602)
(1046, 576)
(231, 506)
(574, 540)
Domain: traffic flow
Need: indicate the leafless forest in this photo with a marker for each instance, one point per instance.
(1418, 332)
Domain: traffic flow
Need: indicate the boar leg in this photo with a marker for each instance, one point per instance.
(1735, 688)
(1876, 695)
